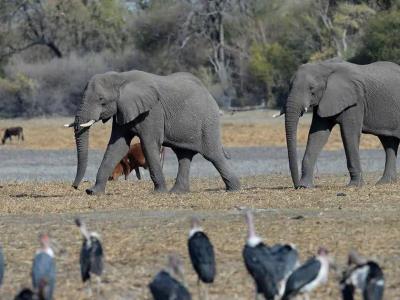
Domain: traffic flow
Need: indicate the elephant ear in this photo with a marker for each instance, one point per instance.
(340, 93)
(135, 99)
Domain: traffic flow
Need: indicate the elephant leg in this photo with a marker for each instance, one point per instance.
(317, 137)
(220, 162)
(390, 144)
(151, 151)
(117, 148)
(182, 179)
(351, 133)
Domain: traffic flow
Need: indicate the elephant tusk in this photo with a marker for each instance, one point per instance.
(306, 109)
(88, 124)
(277, 115)
(69, 125)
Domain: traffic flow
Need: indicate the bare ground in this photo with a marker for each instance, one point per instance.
(139, 228)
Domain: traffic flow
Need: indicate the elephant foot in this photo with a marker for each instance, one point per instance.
(179, 189)
(160, 189)
(305, 184)
(232, 185)
(356, 182)
(95, 191)
(387, 180)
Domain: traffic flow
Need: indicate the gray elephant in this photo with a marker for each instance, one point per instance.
(360, 98)
(175, 111)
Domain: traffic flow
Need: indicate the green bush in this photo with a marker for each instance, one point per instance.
(381, 40)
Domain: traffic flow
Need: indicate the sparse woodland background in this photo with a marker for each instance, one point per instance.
(245, 51)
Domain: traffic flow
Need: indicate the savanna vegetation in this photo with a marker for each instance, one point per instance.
(245, 51)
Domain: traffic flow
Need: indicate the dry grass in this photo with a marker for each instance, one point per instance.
(139, 228)
(238, 130)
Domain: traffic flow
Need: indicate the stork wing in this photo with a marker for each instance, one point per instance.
(302, 276)
(202, 256)
(286, 258)
(375, 282)
(96, 258)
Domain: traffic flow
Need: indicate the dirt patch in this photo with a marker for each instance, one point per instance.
(139, 228)
(240, 129)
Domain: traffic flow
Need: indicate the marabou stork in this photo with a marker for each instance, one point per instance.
(1, 266)
(365, 275)
(202, 255)
(165, 286)
(44, 269)
(25, 294)
(269, 266)
(91, 256)
(308, 276)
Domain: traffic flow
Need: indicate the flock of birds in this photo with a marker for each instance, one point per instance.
(276, 270)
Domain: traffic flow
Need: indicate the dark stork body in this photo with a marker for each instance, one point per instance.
(91, 255)
(260, 266)
(44, 270)
(165, 287)
(25, 294)
(202, 255)
(286, 259)
(308, 276)
(367, 276)
(269, 266)
(1, 266)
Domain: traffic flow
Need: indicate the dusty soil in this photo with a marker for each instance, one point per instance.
(140, 228)
(255, 128)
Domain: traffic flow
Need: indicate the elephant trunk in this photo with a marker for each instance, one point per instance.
(82, 148)
(82, 144)
(292, 117)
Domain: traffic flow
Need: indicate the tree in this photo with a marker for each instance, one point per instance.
(381, 41)
(62, 26)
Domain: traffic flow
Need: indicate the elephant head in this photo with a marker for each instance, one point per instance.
(328, 89)
(123, 96)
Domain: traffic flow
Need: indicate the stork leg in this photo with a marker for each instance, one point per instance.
(282, 286)
(199, 288)
(205, 291)
(88, 288)
(98, 285)
(257, 296)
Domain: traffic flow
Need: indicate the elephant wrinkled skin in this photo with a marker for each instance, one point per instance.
(175, 111)
(360, 98)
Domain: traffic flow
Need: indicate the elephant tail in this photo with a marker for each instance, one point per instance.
(226, 154)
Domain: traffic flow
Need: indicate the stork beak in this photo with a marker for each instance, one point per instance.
(88, 124)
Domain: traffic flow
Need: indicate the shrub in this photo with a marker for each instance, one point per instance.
(55, 87)
(381, 40)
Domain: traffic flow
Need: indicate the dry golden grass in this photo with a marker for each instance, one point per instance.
(241, 129)
(139, 228)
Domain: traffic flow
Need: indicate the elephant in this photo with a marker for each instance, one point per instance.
(360, 98)
(175, 111)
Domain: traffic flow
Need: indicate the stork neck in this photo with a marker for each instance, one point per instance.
(46, 250)
(195, 230)
(253, 240)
